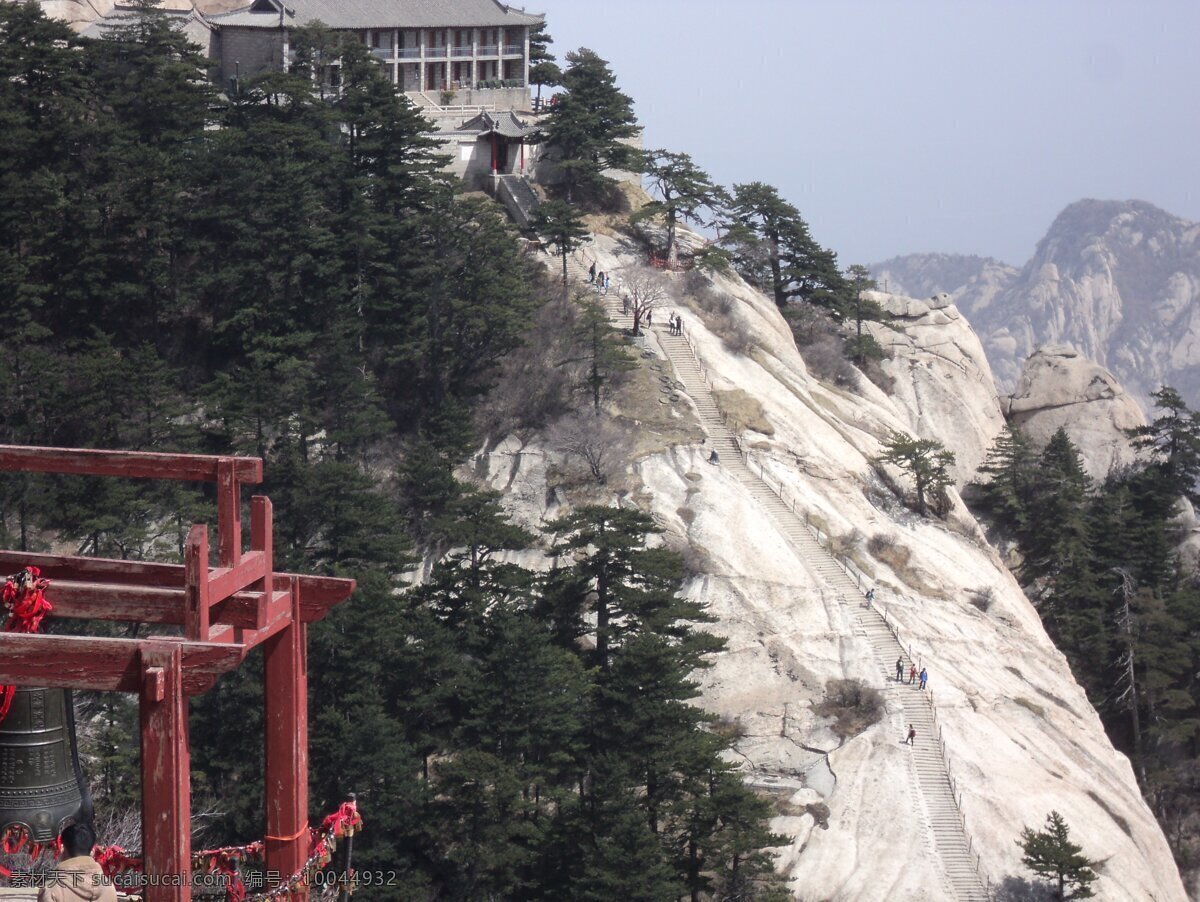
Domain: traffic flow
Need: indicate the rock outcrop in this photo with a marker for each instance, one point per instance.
(1020, 735)
(941, 378)
(1060, 388)
(1118, 280)
(972, 282)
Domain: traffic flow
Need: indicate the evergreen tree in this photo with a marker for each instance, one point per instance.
(543, 66)
(601, 350)
(684, 190)
(1173, 439)
(860, 348)
(927, 460)
(1059, 495)
(1010, 463)
(1050, 854)
(799, 268)
(561, 229)
(588, 125)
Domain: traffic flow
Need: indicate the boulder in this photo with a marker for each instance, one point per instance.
(1060, 388)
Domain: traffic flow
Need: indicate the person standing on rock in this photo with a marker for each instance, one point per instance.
(592, 273)
(900, 669)
(607, 282)
(924, 677)
(912, 674)
(912, 735)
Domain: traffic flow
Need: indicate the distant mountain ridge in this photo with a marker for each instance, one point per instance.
(1117, 280)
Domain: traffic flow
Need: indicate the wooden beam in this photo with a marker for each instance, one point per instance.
(131, 464)
(224, 582)
(166, 786)
(195, 587)
(108, 665)
(94, 569)
(318, 594)
(149, 604)
(285, 696)
(229, 513)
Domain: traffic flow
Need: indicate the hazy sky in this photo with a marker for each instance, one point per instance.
(915, 125)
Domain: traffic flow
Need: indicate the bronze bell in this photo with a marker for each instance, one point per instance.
(41, 783)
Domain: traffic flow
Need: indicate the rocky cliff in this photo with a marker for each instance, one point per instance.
(1119, 281)
(1019, 735)
(940, 377)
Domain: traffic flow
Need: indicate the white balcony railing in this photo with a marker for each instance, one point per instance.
(514, 49)
(408, 53)
(489, 50)
(463, 50)
(383, 53)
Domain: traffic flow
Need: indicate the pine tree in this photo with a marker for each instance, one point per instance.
(684, 190)
(764, 224)
(927, 460)
(1050, 854)
(588, 125)
(561, 229)
(1059, 495)
(543, 67)
(860, 348)
(1010, 463)
(600, 349)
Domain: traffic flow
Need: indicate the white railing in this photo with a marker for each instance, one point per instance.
(489, 50)
(408, 53)
(514, 49)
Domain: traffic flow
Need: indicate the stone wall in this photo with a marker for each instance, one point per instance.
(249, 51)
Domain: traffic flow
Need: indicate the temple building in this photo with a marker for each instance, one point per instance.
(440, 52)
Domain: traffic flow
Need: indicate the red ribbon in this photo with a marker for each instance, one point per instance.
(24, 595)
(344, 822)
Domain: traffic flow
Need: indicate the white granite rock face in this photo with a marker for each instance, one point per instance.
(1060, 388)
(942, 380)
(1020, 733)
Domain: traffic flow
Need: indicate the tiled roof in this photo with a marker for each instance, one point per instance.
(120, 16)
(379, 14)
(505, 124)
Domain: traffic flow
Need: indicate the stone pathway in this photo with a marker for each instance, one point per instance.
(943, 818)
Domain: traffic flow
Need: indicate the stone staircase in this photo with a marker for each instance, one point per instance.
(943, 817)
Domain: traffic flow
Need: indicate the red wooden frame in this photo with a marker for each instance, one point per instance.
(223, 612)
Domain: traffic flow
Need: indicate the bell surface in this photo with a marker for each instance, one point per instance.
(41, 783)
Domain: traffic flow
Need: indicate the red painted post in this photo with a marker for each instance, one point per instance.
(286, 724)
(195, 587)
(166, 792)
(229, 513)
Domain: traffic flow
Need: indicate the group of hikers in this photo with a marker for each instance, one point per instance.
(914, 676)
(918, 677)
(601, 280)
